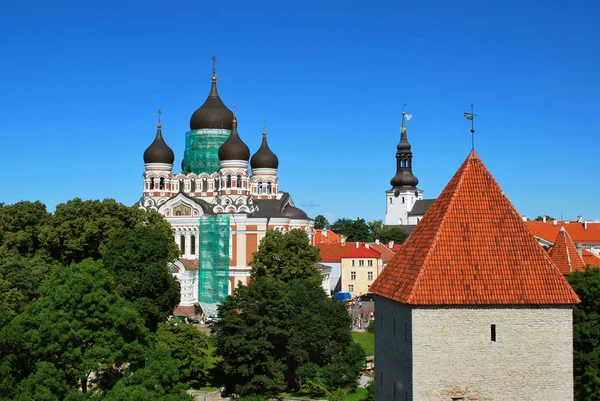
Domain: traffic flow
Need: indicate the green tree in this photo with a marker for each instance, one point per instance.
(341, 226)
(25, 274)
(321, 222)
(20, 227)
(386, 233)
(353, 230)
(188, 348)
(79, 229)
(79, 325)
(273, 335)
(541, 218)
(10, 301)
(139, 259)
(286, 257)
(586, 334)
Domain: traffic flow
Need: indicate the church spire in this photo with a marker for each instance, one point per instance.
(404, 177)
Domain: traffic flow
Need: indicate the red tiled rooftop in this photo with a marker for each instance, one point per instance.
(386, 253)
(333, 253)
(324, 236)
(362, 252)
(590, 259)
(473, 248)
(564, 254)
(579, 232)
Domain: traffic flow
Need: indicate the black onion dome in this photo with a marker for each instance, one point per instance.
(159, 151)
(234, 148)
(294, 213)
(404, 178)
(213, 113)
(264, 157)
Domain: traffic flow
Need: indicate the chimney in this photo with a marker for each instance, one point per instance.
(324, 231)
(377, 241)
(544, 219)
(585, 225)
(391, 244)
(343, 237)
(525, 218)
(357, 244)
(554, 222)
(367, 245)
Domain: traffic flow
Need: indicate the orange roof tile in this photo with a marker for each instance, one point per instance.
(386, 253)
(333, 252)
(565, 255)
(324, 236)
(362, 252)
(590, 259)
(580, 232)
(473, 248)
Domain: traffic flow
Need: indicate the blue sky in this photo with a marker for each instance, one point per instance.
(81, 83)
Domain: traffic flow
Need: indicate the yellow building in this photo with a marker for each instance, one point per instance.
(359, 268)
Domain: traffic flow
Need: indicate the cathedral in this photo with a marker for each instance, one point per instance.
(220, 205)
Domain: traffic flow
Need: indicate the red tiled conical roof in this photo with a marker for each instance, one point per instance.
(565, 255)
(473, 248)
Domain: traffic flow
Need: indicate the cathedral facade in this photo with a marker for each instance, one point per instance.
(220, 205)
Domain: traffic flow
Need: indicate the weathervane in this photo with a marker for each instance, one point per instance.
(214, 60)
(471, 116)
(159, 113)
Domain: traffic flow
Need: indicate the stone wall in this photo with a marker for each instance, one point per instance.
(454, 356)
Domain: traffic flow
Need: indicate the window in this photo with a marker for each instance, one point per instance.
(193, 244)
(370, 263)
(192, 185)
(260, 188)
(216, 184)
(152, 183)
(182, 243)
(352, 262)
(228, 184)
(352, 275)
(493, 332)
(369, 275)
(161, 184)
(204, 185)
(268, 187)
(361, 263)
(391, 200)
(239, 181)
(403, 199)
(350, 288)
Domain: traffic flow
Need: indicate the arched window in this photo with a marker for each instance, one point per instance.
(260, 188)
(228, 184)
(180, 185)
(161, 183)
(182, 243)
(239, 180)
(204, 185)
(192, 185)
(268, 187)
(216, 184)
(193, 244)
(391, 200)
(403, 199)
(152, 183)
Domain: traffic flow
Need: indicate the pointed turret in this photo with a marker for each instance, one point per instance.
(264, 157)
(213, 114)
(159, 151)
(404, 177)
(234, 148)
(564, 254)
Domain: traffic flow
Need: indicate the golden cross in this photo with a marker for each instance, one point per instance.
(159, 113)
(265, 124)
(234, 109)
(214, 60)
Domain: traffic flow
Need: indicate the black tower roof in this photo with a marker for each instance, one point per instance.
(404, 177)
(159, 151)
(213, 113)
(234, 148)
(264, 157)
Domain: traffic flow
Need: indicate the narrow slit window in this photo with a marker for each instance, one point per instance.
(493, 332)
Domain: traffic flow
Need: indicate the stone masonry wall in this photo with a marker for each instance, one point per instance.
(454, 356)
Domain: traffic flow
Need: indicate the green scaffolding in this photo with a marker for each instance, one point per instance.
(213, 261)
(202, 148)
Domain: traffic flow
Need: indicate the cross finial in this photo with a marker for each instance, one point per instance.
(214, 60)
(471, 116)
(159, 113)
(234, 109)
(265, 124)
